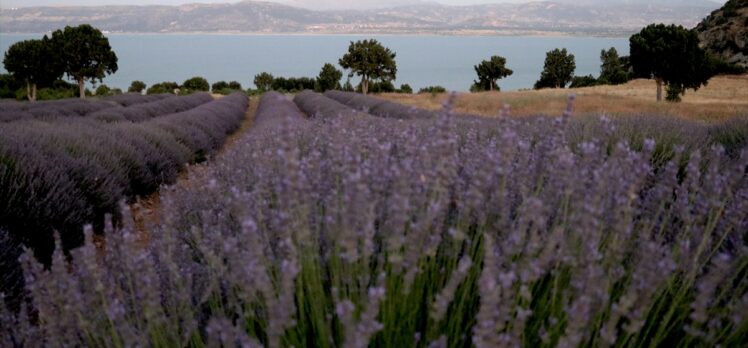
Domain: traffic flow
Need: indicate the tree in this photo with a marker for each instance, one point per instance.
(264, 81)
(671, 55)
(405, 89)
(163, 87)
(103, 90)
(584, 81)
(558, 69)
(370, 60)
(196, 84)
(136, 87)
(219, 86)
(35, 63)
(491, 70)
(612, 70)
(234, 85)
(86, 54)
(329, 78)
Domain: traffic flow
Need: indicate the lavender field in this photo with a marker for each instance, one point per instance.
(340, 220)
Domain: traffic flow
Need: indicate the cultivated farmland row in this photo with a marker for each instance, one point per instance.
(344, 221)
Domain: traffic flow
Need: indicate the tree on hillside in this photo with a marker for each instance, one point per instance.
(612, 70)
(235, 85)
(558, 70)
(136, 86)
(370, 60)
(489, 71)
(264, 81)
(86, 54)
(196, 84)
(670, 55)
(329, 78)
(35, 63)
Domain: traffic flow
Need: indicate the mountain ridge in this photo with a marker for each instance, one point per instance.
(560, 17)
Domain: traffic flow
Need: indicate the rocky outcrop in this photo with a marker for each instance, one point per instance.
(724, 33)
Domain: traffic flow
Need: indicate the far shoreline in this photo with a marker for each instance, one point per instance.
(471, 33)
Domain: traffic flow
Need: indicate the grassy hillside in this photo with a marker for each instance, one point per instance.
(725, 96)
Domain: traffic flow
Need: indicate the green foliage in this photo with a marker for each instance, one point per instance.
(584, 81)
(34, 62)
(671, 55)
(103, 90)
(489, 71)
(370, 60)
(264, 81)
(163, 87)
(195, 84)
(86, 53)
(378, 87)
(226, 88)
(235, 85)
(432, 90)
(293, 84)
(558, 69)
(9, 85)
(405, 88)
(329, 78)
(612, 70)
(136, 86)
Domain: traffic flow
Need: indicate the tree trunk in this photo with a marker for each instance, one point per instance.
(490, 86)
(82, 88)
(365, 85)
(31, 91)
(659, 89)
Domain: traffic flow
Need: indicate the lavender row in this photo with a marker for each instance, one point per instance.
(12, 110)
(62, 174)
(129, 99)
(145, 111)
(352, 230)
(379, 107)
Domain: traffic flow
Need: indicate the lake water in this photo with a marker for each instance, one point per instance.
(421, 60)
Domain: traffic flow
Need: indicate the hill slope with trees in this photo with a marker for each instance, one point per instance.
(725, 32)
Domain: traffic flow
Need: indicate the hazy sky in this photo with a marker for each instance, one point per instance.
(309, 3)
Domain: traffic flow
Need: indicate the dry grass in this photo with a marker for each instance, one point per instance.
(723, 97)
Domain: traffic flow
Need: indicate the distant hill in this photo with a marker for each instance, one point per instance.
(564, 16)
(725, 32)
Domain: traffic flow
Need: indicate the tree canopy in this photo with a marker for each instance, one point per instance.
(136, 86)
(86, 54)
(489, 71)
(671, 55)
(196, 84)
(329, 78)
(370, 60)
(264, 81)
(34, 62)
(558, 70)
(613, 71)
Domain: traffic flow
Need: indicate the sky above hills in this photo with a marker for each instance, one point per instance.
(317, 4)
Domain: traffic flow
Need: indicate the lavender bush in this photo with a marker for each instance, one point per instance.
(129, 99)
(60, 174)
(379, 107)
(144, 111)
(353, 230)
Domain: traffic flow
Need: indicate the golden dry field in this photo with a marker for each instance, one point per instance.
(723, 97)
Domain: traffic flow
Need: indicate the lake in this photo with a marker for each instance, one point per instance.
(421, 60)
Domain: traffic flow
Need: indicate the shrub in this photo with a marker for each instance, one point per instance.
(405, 88)
(583, 81)
(136, 86)
(163, 87)
(195, 84)
(433, 90)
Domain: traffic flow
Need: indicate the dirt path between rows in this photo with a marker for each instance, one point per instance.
(147, 211)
